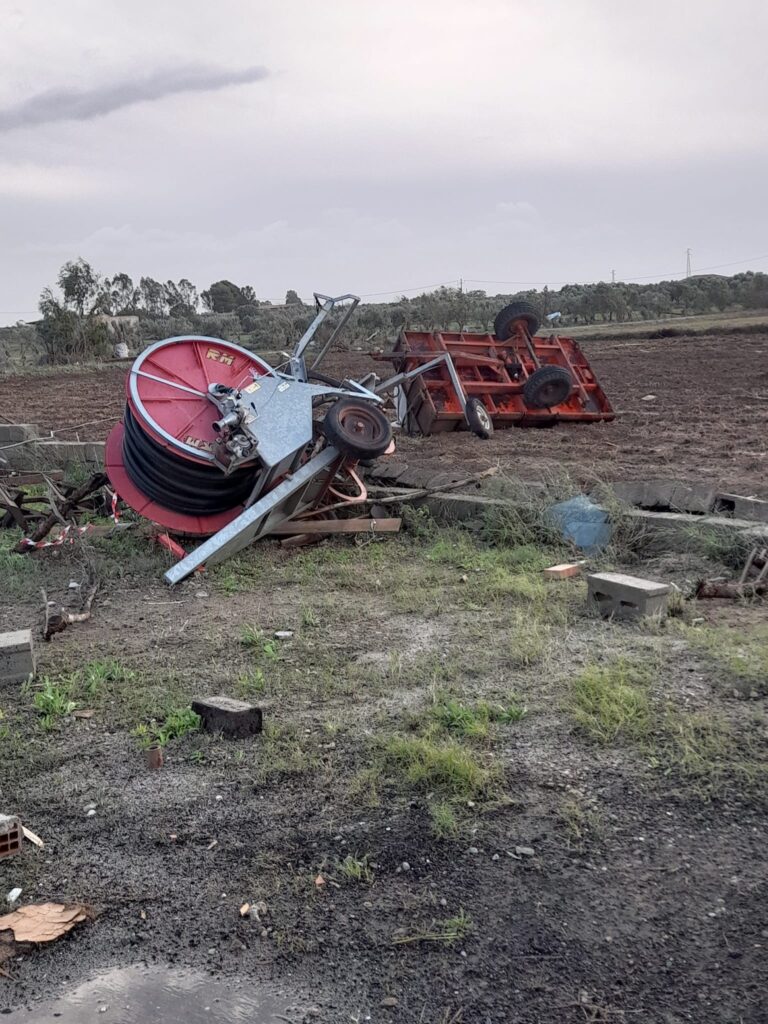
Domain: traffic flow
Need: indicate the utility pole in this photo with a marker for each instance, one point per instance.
(687, 262)
(613, 277)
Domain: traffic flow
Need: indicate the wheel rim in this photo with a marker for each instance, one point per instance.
(360, 424)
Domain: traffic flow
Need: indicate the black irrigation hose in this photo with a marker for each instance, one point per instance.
(176, 483)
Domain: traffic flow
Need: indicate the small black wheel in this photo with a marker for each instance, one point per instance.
(478, 418)
(505, 320)
(357, 428)
(546, 387)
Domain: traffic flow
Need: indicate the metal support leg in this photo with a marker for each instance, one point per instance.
(290, 497)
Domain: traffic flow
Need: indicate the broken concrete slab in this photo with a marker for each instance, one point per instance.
(741, 507)
(617, 595)
(235, 719)
(10, 433)
(674, 495)
(17, 656)
(56, 454)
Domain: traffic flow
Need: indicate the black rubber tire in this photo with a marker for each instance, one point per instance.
(478, 418)
(316, 377)
(547, 387)
(505, 318)
(357, 428)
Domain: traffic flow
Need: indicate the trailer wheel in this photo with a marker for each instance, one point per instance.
(478, 418)
(357, 428)
(546, 387)
(506, 318)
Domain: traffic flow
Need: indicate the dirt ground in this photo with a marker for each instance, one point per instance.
(532, 873)
(709, 419)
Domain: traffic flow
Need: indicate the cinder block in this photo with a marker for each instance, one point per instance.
(17, 656)
(740, 507)
(233, 718)
(10, 835)
(615, 595)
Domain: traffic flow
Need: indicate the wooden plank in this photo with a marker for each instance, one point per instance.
(306, 526)
(31, 478)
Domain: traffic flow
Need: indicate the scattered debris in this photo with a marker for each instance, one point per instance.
(235, 719)
(63, 505)
(32, 837)
(753, 581)
(319, 882)
(13, 896)
(154, 757)
(10, 835)
(648, 398)
(44, 922)
(525, 851)
(57, 618)
(284, 634)
(389, 1002)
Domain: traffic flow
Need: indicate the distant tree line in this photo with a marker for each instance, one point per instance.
(75, 318)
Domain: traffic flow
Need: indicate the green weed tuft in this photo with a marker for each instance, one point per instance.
(608, 701)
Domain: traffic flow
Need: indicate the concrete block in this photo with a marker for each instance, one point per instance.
(740, 507)
(17, 656)
(233, 718)
(11, 432)
(10, 835)
(613, 594)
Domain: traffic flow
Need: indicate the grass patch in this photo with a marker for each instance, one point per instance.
(177, 723)
(703, 750)
(611, 701)
(356, 869)
(19, 572)
(444, 822)
(582, 822)
(102, 675)
(53, 701)
(473, 721)
(253, 638)
(442, 765)
(283, 754)
(451, 930)
(743, 657)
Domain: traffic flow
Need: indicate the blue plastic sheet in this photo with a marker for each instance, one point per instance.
(582, 522)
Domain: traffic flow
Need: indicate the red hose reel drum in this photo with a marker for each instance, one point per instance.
(166, 395)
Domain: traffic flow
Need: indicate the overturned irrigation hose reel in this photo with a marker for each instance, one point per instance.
(216, 442)
(162, 459)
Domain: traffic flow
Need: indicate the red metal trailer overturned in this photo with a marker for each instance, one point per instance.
(521, 379)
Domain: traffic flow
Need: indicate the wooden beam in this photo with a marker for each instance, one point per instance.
(306, 526)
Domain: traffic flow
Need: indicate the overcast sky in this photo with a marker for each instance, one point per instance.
(380, 145)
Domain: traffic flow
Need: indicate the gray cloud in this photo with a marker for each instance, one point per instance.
(86, 104)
